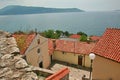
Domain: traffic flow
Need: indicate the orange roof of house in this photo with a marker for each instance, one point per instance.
(23, 41)
(64, 45)
(95, 38)
(109, 44)
(73, 47)
(59, 75)
(76, 36)
(50, 46)
(83, 47)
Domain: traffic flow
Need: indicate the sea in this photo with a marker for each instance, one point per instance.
(91, 23)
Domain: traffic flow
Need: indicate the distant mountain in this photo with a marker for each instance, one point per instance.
(14, 10)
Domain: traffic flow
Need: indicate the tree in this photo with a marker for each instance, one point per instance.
(48, 33)
(66, 33)
(59, 33)
(81, 33)
(54, 34)
(51, 34)
(83, 38)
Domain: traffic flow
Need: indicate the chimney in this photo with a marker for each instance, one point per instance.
(54, 43)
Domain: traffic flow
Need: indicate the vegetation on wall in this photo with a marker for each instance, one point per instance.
(21, 41)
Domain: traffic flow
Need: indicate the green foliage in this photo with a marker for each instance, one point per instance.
(50, 34)
(66, 33)
(81, 33)
(54, 34)
(59, 33)
(83, 38)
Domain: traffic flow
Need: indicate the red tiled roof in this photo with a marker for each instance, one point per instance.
(75, 36)
(83, 47)
(50, 46)
(64, 45)
(95, 38)
(23, 41)
(109, 44)
(59, 75)
(73, 47)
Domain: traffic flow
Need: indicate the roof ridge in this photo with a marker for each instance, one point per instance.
(112, 28)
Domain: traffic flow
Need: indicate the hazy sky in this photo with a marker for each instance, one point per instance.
(87, 5)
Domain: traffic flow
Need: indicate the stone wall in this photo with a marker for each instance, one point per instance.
(12, 64)
(14, 67)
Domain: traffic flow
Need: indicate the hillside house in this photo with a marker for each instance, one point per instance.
(75, 36)
(95, 38)
(35, 49)
(71, 52)
(106, 65)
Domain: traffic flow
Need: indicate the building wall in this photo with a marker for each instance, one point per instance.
(87, 61)
(44, 51)
(66, 57)
(71, 58)
(104, 69)
(34, 57)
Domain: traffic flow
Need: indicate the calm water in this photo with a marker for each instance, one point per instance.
(92, 23)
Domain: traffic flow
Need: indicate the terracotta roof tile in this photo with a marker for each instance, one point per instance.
(83, 47)
(66, 46)
(72, 46)
(50, 46)
(59, 75)
(23, 41)
(75, 36)
(95, 38)
(109, 44)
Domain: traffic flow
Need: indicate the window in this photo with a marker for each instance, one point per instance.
(41, 64)
(80, 60)
(38, 41)
(38, 51)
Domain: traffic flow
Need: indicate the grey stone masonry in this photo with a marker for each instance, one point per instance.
(12, 64)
